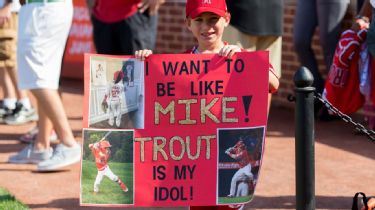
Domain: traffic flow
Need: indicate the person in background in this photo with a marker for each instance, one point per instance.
(252, 28)
(120, 27)
(327, 15)
(42, 35)
(367, 14)
(15, 108)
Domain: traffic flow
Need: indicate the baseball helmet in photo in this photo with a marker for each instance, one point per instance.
(118, 76)
(105, 144)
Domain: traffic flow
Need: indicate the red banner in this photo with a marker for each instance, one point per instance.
(192, 127)
(79, 41)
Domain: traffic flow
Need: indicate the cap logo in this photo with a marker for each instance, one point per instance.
(206, 1)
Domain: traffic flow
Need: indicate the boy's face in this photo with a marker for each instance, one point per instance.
(208, 28)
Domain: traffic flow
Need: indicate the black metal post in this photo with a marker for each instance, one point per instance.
(304, 134)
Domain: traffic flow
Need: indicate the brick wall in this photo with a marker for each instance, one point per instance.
(174, 37)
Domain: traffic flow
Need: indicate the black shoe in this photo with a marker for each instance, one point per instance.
(4, 111)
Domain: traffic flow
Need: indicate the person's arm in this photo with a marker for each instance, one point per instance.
(151, 5)
(273, 81)
(363, 17)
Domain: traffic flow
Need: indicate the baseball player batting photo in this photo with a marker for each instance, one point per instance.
(239, 156)
(116, 102)
(107, 167)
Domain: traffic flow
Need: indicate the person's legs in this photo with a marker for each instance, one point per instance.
(118, 114)
(137, 32)
(10, 98)
(113, 177)
(51, 107)
(103, 37)
(111, 112)
(330, 16)
(23, 111)
(273, 44)
(234, 36)
(233, 183)
(305, 23)
(98, 180)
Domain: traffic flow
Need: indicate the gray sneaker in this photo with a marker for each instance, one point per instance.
(28, 155)
(21, 115)
(62, 156)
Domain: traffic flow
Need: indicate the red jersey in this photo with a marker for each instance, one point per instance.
(101, 157)
(342, 86)
(111, 11)
(241, 155)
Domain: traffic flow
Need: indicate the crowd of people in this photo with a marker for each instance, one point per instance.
(31, 54)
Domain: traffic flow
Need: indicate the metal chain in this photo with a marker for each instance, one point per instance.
(359, 127)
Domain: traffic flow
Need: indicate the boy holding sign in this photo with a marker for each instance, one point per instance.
(207, 19)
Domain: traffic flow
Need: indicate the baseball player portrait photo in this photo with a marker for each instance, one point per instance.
(116, 102)
(240, 152)
(107, 167)
(113, 98)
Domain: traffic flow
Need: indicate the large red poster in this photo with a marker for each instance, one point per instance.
(184, 129)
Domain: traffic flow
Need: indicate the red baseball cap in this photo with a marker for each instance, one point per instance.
(196, 7)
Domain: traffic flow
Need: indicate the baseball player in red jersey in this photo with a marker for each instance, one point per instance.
(114, 96)
(239, 152)
(101, 151)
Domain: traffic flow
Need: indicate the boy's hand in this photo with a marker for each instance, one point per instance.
(360, 23)
(142, 54)
(229, 50)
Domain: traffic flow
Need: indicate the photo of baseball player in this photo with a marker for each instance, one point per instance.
(102, 152)
(98, 71)
(243, 175)
(107, 167)
(240, 152)
(114, 97)
(128, 70)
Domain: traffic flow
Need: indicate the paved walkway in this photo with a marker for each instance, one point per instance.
(344, 164)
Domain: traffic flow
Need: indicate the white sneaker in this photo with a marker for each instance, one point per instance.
(29, 155)
(21, 115)
(62, 156)
(111, 121)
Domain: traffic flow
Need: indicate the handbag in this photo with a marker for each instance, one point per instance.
(364, 201)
